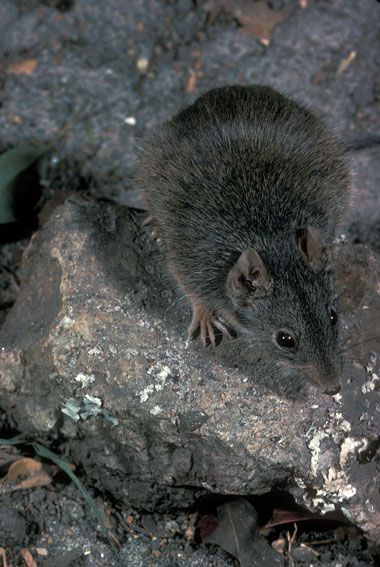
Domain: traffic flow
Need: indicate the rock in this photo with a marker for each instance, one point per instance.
(94, 353)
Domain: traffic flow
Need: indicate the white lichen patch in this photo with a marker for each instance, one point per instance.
(341, 423)
(300, 482)
(371, 363)
(321, 505)
(338, 398)
(208, 487)
(145, 393)
(92, 406)
(160, 373)
(85, 379)
(71, 408)
(66, 323)
(370, 385)
(314, 446)
(94, 351)
(335, 490)
(336, 429)
(374, 379)
(351, 446)
(335, 486)
(370, 507)
(96, 402)
(85, 407)
(156, 410)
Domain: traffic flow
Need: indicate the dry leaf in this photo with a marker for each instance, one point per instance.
(3, 556)
(28, 468)
(25, 67)
(345, 63)
(15, 118)
(23, 467)
(191, 82)
(40, 479)
(206, 525)
(237, 532)
(281, 516)
(27, 557)
(257, 19)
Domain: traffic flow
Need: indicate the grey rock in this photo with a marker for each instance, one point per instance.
(99, 321)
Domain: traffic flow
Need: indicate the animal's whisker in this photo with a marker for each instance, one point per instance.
(368, 340)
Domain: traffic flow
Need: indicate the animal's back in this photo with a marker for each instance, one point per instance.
(239, 168)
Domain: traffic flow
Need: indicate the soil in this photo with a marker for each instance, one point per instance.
(55, 526)
(89, 79)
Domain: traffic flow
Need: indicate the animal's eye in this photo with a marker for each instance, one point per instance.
(285, 340)
(333, 317)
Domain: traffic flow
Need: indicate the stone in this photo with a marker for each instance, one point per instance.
(94, 354)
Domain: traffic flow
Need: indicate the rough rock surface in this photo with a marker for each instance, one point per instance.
(94, 353)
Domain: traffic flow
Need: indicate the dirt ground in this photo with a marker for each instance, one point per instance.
(89, 79)
(53, 526)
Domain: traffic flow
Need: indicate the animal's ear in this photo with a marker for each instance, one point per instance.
(248, 279)
(312, 246)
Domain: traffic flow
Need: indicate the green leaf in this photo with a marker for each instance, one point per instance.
(13, 442)
(44, 452)
(12, 163)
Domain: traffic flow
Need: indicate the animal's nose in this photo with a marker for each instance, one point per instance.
(336, 390)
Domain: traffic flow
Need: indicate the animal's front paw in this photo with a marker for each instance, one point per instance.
(205, 319)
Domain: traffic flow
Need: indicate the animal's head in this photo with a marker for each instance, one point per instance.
(284, 298)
